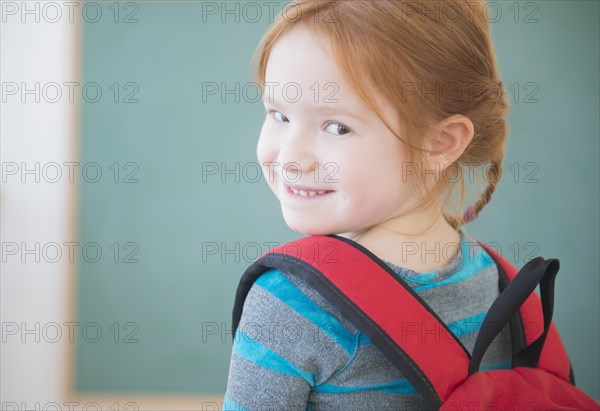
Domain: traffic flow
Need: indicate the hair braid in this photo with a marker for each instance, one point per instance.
(494, 173)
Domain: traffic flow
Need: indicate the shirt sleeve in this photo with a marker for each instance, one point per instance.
(286, 343)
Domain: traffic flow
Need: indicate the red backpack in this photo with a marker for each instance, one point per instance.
(379, 303)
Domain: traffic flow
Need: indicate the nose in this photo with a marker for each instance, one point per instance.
(297, 155)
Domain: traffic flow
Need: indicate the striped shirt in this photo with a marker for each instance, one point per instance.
(293, 350)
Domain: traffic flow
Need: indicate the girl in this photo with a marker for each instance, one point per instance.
(377, 112)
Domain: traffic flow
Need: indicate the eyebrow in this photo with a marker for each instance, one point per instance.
(323, 108)
(335, 110)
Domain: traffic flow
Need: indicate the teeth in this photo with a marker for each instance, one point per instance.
(306, 193)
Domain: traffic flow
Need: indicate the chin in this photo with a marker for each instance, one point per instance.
(308, 228)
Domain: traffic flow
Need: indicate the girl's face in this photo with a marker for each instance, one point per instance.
(318, 134)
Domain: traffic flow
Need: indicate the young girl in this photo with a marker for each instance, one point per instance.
(378, 112)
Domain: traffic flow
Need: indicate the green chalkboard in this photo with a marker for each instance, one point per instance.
(162, 290)
(171, 209)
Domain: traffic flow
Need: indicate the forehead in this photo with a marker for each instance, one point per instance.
(302, 74)
(300, 64)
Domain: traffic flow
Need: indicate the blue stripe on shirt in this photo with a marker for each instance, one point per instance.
(503, 365)
(396, 387)
(402, 386)
(480, 262)
(459, 328)
(252, 350)
(274, 282)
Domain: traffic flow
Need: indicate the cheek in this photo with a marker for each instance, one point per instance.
(374, 179)
(265, 148)
(266, 152)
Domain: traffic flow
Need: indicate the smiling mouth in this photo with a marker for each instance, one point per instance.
(308, 194)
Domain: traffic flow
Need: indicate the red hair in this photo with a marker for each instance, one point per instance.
(430, 60)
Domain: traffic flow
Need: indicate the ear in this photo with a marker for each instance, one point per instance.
(450, 140)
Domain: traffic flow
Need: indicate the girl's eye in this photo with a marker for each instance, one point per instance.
(338, 128)
(275, 113)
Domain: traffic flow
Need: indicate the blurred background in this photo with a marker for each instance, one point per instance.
(132, 201)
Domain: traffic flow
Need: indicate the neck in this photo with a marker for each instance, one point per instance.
(416, 242)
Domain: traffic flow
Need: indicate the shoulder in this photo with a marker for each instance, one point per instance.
(285, 315)
(292, 303)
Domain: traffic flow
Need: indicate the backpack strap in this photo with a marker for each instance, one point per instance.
(378, 302)
(553, 357)
(536, 272)
(387, 310)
